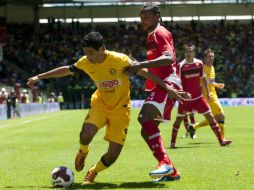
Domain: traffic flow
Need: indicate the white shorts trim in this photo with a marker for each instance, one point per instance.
(206, 112)
(159, 106)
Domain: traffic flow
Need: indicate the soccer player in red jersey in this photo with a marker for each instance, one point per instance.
(161, 60)
(191, 71)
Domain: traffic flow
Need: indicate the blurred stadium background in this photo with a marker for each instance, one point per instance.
(38, 35)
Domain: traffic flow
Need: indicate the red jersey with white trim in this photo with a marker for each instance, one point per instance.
(160, 42)
(190, 74)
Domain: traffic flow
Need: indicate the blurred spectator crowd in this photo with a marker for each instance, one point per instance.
(30, 51)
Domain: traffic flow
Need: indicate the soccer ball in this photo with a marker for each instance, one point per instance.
(62, 177)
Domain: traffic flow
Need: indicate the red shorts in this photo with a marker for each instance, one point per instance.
(200, 105)
(159, 98)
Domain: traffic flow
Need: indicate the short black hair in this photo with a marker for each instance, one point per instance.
(93, 39)
(153, 7)
(189, 44)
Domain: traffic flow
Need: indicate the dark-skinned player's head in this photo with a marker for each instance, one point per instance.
(93, 46)
(150, 16)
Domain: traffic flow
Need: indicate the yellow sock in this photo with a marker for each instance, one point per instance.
(84, 148)
(222, 129)
(98, 167)
(200, 124)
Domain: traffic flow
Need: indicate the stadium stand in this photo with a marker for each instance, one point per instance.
(33, 48)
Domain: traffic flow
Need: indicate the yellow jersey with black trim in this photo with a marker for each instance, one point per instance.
(210, 76)
(113, 86)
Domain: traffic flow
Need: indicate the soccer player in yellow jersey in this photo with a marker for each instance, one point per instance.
(110, 103)
(214, 101)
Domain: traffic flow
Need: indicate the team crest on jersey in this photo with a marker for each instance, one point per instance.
(112, 71)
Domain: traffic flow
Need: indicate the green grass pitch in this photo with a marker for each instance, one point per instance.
(32, 146)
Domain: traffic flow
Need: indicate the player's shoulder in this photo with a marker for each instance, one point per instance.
(116, 55)
(83, 59)
(162, 31)
(196, 60)
(181, 63)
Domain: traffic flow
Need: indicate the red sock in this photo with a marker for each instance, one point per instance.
(186, 123)
(175, 170)
(155, 142)
(192, 119)
(174, 133)
(216, 131)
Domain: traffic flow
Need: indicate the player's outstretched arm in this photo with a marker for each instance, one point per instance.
(159, 62)
(172, 93)
(219, 85)
(55, 73)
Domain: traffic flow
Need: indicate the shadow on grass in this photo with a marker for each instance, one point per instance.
(28, 187)
(126, 185)
(193, 145)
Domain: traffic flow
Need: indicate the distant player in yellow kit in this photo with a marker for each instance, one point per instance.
(110, 103)
(214, 101)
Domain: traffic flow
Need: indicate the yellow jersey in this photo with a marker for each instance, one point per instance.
(210, 76)
(113, 86)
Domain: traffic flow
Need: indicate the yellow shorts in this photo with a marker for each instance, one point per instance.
(216, 107)
(116, 123)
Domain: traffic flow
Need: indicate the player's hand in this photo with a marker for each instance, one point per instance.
(31, 81)
(178, 95)
(220, 85)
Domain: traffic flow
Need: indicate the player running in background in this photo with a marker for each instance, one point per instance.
(110, 103)
(191, 72)
(214, 102)
(161, 60)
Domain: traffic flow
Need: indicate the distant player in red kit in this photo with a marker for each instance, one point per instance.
(161, 60)
(191, 71)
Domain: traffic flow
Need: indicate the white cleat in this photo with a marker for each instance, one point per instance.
(161, 171)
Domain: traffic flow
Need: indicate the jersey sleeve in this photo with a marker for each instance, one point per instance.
(79, 66)
(125, 60)
(164, 44)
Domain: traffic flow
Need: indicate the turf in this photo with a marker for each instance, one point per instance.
(32, 146)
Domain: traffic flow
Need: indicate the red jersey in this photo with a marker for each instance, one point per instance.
(160, 42)
(3, 97)
(190, 74)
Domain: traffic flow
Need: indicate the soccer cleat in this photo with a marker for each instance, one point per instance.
(161, 171)
(80, 160)
(171, 177)
(172, 145)
(89, 178)
(225, 142)
(192, 131)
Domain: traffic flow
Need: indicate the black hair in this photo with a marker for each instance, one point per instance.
(189, 44)
(93, 39)
(153, 7)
